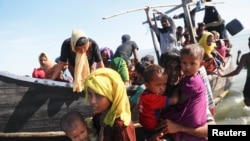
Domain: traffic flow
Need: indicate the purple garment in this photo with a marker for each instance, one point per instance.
(191, 113)
(110, 52)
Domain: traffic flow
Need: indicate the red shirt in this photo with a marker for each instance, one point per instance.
(149, 107)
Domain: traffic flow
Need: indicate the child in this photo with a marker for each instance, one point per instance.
(107, 94)
(192, 104)
(73, 124)
(152, 100)
(171, 61)
(187, 39)
(221, 48)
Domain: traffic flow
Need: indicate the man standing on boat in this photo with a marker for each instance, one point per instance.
(166, 35)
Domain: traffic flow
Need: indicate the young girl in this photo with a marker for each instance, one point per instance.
(107, 94)
(152, 100)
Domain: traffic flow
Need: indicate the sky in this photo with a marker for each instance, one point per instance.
(29, 27)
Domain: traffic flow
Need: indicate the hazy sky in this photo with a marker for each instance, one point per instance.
(29, 27)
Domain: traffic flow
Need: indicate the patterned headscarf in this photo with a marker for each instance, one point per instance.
(108, 83)
(81, 62)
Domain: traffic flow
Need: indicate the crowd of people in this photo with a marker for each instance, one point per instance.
(174, 98)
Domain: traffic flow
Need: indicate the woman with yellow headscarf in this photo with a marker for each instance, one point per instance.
(106, 92)
(207, 42)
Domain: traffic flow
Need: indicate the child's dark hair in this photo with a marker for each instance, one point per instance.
(151, 71)
(70, 120)
(140, 67)
(194, 50)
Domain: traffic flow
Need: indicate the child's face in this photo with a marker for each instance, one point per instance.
(158, 84)
(99, 102)
(190, 64)
(80, 133)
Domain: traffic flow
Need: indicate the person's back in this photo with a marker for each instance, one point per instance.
(120, 60)
(213, 21)
(127, 48)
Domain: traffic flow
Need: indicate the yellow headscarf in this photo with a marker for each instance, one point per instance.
(81, 62)
(108, 82)
(203, 42)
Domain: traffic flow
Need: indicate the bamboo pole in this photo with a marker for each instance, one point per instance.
(137, 9)
(157, 52)
(181, 5)
(220, 97)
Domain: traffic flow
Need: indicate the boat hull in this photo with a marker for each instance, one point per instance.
(36, 105)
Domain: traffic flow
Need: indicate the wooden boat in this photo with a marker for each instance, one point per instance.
(36, 105)
(32, 107)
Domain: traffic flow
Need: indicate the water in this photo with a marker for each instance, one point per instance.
(231, 110)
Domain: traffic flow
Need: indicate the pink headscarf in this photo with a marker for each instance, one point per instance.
(221, 48)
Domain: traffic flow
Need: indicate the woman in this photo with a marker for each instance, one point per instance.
(109, 99)
(106, 54)
(46, 69)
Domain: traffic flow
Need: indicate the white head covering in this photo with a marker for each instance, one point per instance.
(81, 61)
